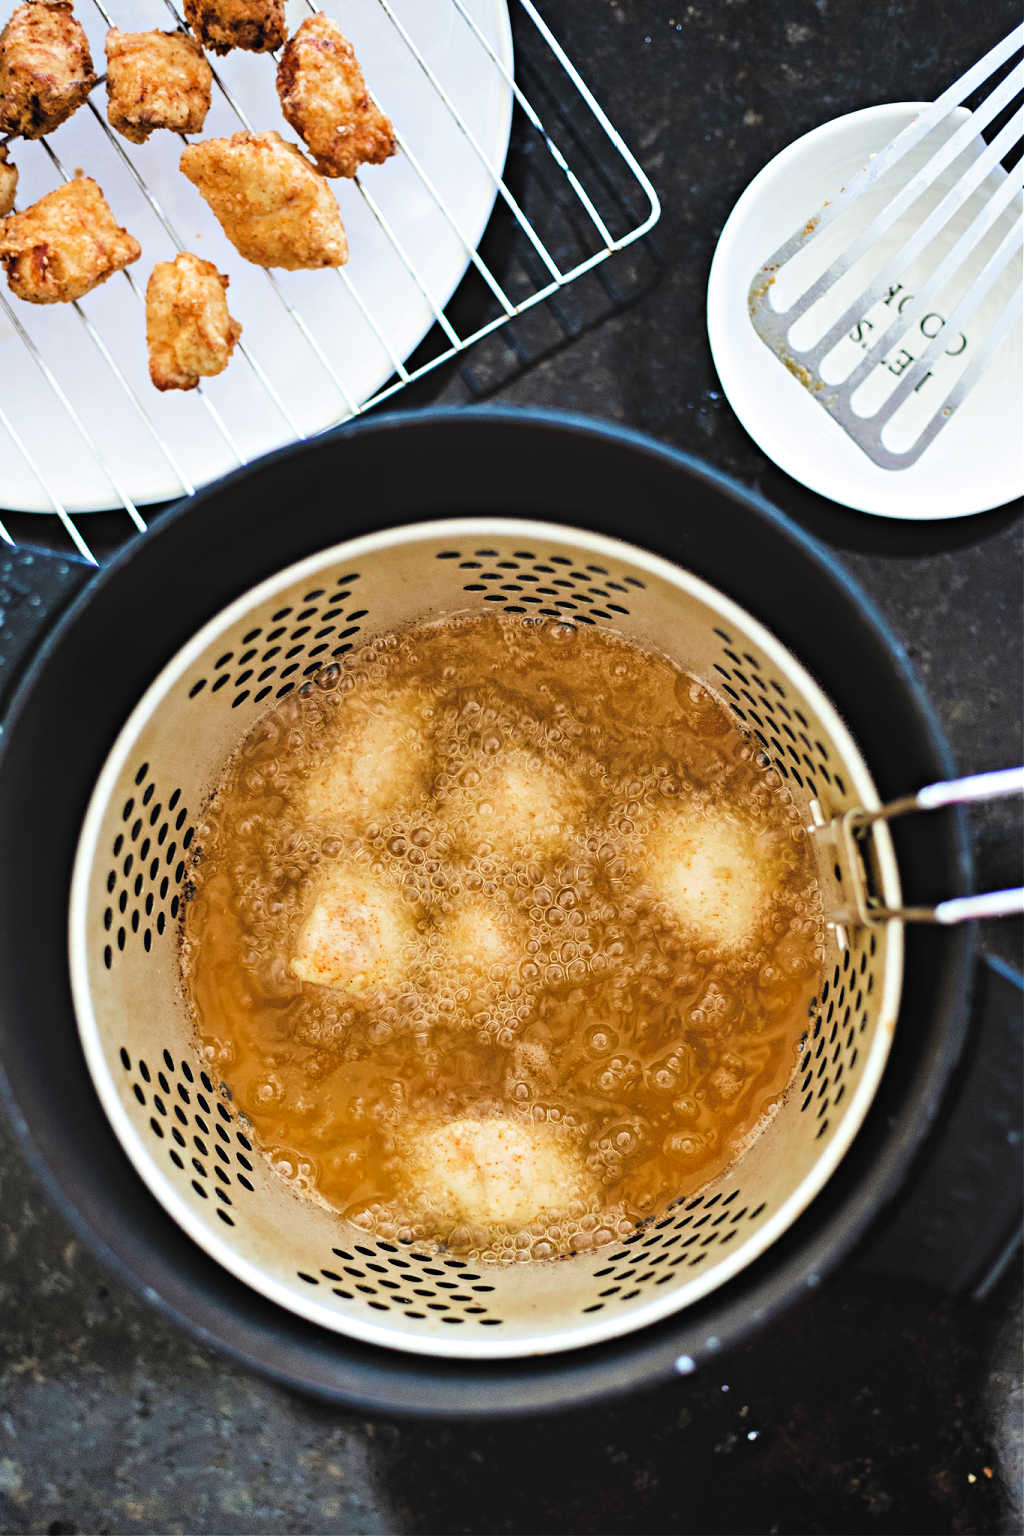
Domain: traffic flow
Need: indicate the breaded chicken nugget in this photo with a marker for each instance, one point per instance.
(64, 245)
(359, 935)
(714, 874)
(515, 804)
(481, 938)
(376, 764)
(324, 97)
(8, 183)
(495, 1172)
(189, 332)
(276, 210)
(257, 25)
(156, 80)
(45, 68)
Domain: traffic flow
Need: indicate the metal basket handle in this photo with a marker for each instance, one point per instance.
(851, 826)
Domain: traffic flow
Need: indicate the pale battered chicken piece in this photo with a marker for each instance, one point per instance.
(495, 1172)
(189, 332)
(378, 764)
(324, 97)
(359, 935)
(45, 68)
(156, 80)
(274, 207)
(220, 25)
(8, 183)
(518, 805)
(714, 874)
(64, 245)
(480, 940)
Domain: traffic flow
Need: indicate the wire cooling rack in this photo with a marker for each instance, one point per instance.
(569, 196)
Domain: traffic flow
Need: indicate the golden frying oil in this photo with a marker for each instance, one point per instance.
(543, 976)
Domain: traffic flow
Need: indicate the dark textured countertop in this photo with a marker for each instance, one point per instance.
(879, 1404)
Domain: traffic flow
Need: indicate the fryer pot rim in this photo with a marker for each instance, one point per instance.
(142, 1244)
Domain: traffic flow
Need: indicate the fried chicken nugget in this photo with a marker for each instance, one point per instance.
(324, 97)
(156, 80)
(64, 245)
(45, 68)
(189, 332)
(274, 207)
(257, 25)
(8, 183)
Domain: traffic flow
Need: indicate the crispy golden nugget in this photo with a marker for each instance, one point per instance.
(8, 183)
(189, 332)
(324, 97)
(156, 80)
(64, 245)
(45, 68)
(221, 25)
(274, 207)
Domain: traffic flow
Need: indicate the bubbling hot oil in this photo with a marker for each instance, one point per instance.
(591, 915)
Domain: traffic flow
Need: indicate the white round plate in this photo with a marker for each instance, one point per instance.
(363, 320)
(976, 462)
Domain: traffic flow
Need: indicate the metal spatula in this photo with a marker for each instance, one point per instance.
(924, 241)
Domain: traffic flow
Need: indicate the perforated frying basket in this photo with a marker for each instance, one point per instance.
(177, 1124)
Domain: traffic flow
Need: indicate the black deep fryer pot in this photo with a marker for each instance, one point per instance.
(934, 1172)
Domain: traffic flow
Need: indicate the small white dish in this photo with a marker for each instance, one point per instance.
(977, 460)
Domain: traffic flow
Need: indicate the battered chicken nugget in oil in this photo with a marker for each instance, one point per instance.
(220, 25)
(274, 207)
(45, 68)
(8, 183)
(64, 245)
(189, 332)
(324, 97)
(156, 80)
(495, 1172)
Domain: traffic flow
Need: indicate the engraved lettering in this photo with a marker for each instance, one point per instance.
(901, 362)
